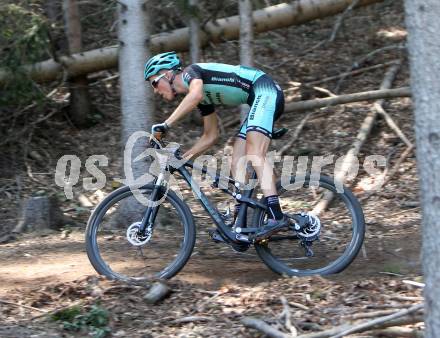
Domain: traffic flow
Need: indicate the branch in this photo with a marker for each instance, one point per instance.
(360, 61)
(23, 306)
(393, 126)
(191, 319)
(399, 332)
(380, 320)
(287, 320)
(396, 319)
(262, 326)
(341, 18)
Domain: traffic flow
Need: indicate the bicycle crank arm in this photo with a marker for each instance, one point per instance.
(239, 230)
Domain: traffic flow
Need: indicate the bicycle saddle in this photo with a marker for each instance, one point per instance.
(278, 133)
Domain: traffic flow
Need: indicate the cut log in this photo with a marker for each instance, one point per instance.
(157, 292)
(39, 213)
(273, 17)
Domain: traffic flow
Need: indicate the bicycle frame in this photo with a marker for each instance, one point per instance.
(243, 197)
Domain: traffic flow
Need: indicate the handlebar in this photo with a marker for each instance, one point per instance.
(165, 147)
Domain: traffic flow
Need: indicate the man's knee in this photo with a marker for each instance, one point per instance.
(257, 144)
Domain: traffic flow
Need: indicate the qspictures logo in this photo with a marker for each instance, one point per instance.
(67, 173)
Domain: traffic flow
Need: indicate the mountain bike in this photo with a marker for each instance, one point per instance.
(156, 240)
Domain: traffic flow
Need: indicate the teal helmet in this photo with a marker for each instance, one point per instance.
(168, 60)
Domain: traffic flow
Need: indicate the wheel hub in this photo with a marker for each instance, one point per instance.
(309, 229)
(134, 236)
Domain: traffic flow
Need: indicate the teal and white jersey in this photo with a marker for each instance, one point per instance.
(222, 84)
(234, 85)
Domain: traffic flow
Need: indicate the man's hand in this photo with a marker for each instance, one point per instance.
(159, 130)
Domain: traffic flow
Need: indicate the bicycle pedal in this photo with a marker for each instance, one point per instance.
(239, 247)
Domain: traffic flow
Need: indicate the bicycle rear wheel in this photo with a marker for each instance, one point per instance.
(162, 256)
(339, 239)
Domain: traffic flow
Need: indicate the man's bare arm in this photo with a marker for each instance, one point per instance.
(208, 138)
(190, 101)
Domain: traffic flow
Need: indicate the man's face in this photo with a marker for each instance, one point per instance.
(162, 86)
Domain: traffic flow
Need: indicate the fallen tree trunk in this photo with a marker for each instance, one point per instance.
(273, 17)
(341, 99)
(348, 98)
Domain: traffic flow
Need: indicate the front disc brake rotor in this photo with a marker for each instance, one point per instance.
(134, 237)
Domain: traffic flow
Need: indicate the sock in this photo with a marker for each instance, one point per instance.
(274, 207)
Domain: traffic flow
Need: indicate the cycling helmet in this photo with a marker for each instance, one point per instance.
(168, 60)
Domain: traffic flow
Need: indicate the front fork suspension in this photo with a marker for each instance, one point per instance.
(151, 212)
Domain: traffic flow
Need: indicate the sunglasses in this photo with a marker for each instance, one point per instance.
(155, 82)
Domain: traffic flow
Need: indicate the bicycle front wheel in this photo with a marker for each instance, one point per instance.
(334, 240)
(163, 255)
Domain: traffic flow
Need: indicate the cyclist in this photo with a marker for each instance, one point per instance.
(206, 85)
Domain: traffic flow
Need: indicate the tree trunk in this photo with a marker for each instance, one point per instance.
(274, 17)
(136, 97)
(246, 43)
(194, 44)
(194, 31)
(80, 106)
(424, 48)
(53, 10)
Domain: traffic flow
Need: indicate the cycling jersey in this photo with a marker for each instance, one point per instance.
(234, 85)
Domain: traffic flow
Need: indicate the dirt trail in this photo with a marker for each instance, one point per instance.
(47, 260)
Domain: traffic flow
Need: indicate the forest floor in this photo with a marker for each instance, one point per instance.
(41, 272)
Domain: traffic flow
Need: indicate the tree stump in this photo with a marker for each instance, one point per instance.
(38, 213)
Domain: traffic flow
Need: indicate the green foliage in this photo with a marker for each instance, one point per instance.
(93, 321)
(67, 314)
(23, 40)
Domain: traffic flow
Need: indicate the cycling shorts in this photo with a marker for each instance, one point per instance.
(266, 100)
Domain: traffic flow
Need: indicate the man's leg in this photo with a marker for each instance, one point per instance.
(239, 151)
(238, 166)
(257, 145)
